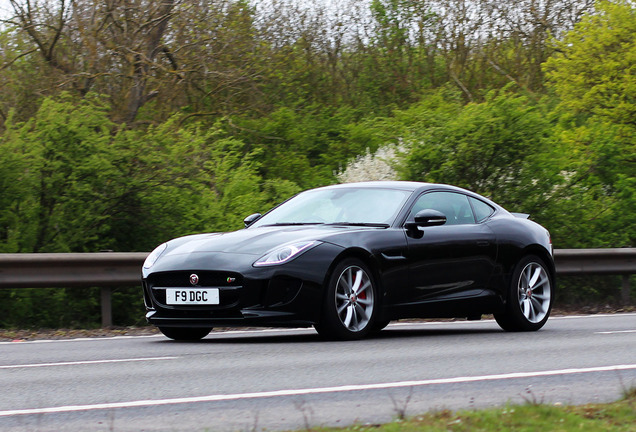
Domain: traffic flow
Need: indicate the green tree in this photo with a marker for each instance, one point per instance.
(63, 160)
(594, 69)
(304, 146)
(596, 205)
(75, 182)
(594, 74)
(501, 148)
(398, 58)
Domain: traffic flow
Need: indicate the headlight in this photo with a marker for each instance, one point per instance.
(285, 253)
(150, 260)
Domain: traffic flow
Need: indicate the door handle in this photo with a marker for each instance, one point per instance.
(483, 243)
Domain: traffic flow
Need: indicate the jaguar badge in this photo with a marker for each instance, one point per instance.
(194, 279)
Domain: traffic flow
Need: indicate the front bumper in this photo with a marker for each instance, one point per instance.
(286, 295)
(281, 300)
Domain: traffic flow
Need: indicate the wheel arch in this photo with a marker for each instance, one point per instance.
(363, 255)
(354, 252)
(514, 255)
(532, 249)
(545, 256)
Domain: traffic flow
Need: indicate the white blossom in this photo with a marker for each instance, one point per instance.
(372, 166)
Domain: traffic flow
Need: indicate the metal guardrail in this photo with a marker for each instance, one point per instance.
(598, 262)
(595, 261)
(54, 270)
(113, 269)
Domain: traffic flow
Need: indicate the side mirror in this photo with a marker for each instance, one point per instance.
(251, 219)
(429, 217)
(424, 218)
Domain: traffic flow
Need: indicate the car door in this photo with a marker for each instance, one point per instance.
(450, 261)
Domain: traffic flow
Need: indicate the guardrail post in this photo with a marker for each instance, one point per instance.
(625, 292)
(107, 308)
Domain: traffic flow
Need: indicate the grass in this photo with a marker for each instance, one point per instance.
(618, 416)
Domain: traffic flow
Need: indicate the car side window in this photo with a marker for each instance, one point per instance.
(454, 206)
(482, 210)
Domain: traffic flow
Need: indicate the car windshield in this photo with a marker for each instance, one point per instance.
(339, 206)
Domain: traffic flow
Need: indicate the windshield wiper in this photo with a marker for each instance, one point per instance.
(294, 223)
(362, 224)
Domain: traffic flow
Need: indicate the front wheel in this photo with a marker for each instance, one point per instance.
(529, 296)
(350, 305)
(185, 333)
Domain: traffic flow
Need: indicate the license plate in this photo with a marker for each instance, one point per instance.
(192, 296)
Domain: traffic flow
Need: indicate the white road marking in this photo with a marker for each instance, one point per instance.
(606, 315)
(74, 363)
(319, 390)
(615, 332)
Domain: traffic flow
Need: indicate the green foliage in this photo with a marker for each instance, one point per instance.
(395, 71)
(304, 146)
(596, 206)
(594, 70)
(63, 159)
(500, 148)
(594, 74)
(49, 307)
(73, 182)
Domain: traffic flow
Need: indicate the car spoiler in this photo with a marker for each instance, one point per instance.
(521, 215)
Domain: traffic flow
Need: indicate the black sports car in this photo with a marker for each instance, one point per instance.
(349, 258)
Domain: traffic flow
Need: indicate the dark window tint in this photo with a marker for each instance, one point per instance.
(454, 206)
(482, 210)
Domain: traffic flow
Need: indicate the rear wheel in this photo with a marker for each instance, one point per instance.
(349, 307)
(185, 333)
(529, 296)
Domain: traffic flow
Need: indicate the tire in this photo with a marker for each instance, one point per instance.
(350, 305)
(185, 333)
(530, 296)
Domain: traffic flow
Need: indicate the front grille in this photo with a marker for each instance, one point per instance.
(228, 283)
(206, 279)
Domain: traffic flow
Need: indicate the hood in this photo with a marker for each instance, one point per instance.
(255, 241)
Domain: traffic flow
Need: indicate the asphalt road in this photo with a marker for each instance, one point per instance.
(290, 379)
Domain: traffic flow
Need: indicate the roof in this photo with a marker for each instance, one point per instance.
(403, 185)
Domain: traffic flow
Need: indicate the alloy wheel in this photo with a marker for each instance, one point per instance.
(354, 298)
(534, 292)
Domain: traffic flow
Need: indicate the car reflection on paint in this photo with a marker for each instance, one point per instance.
(347, 259)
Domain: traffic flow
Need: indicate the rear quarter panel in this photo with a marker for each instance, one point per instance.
(517, 238)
